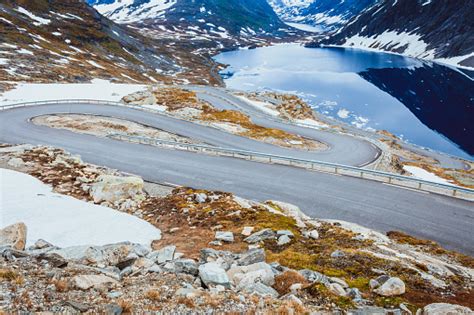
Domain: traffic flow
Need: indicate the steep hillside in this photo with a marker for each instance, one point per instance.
(331, 13)
(58, 40)
(216, 16)
(429, 29)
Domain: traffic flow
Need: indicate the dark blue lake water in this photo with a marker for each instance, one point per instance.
(422, 102)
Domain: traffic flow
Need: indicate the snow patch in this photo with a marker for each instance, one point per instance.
(63, 220)
(423, 174)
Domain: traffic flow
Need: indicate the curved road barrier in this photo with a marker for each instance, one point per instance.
(334, 168)
(389, 178)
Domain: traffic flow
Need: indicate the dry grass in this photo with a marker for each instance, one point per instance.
(186, 301)
(284, 281)
(126, 306)
(11, 276)
(153, 295)
(61, 285)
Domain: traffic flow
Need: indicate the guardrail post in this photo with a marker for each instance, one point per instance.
(335, 170)
(361, 174)
(419, 186)
(454, 192)
(389, 180)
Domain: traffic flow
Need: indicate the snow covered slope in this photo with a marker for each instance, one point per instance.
(223, 16)
(63, 220)
(332, 13)
(430, 29)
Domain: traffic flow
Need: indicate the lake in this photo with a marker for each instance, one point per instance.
(424, 103)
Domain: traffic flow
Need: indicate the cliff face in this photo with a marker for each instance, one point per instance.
(430, 29)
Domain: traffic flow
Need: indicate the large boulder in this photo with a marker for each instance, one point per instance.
(244, 276)
(261, 235)
(114, 188)
(85, 282)
(391, 287)
(213, 274)
(14, 235)
(446, 309)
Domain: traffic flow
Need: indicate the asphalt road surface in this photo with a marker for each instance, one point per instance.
(372, 204)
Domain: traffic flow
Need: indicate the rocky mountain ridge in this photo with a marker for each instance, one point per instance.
(434, 30)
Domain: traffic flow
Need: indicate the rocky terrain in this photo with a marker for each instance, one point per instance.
(185, 104)
(219, 253)
(329, 13)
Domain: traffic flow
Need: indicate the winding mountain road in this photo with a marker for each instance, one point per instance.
(372, 204)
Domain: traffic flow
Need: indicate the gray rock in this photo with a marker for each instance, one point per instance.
(81, 307)
(252, 256)
(446, 309)
(337, 289)
(85, 282)
(155, 269)
(41, 244)
(54, 260)
(314, 277)
(247, 230)
(285, 232)
(313, 234)
(114, 294)
(113, 309)
(163, 255)
(393, 286)
(224, 236)
(200, 198)
(338, 254)
(213, 274)
(186, 266)
(215, 243)
(283, 240)
(243, 276)
(260, 289)
(224, 258)
(339, 281)
(261, 235)
(382, 279)
(188, 292)
(354, 294)
(114, 188)
(14, 235)
(373, 284)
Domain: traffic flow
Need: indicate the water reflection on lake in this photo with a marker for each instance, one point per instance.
(423, 102)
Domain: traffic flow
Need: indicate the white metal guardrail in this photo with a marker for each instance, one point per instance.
(388, 178)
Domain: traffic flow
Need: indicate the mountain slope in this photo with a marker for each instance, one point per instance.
(70, 41)
(429, 29)
(232, 16)
(332, 13)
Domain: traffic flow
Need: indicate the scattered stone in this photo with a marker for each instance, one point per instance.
(14, 235)
(259, 236)
(393, 286)
(283, 240)
(113, 309)
(163, 255)
(338, 254)
(175, 229)
(260, 289)
(42, 244)
(354, 294)
(373, 284)
(200, 198)
(247, 230)
(446, 309)
(81, 307)
(285, 232)
(186, 266)
(215, 243)
(16, 162)
(224, 236)
(251, 257)
(111, 188)
(337, 289)
(339, 281)
(313, 234)
(213, 274)
(85, 282)
(243, 276)
(188, 292)
(114, 294)
(54, 260)
(314, 277)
